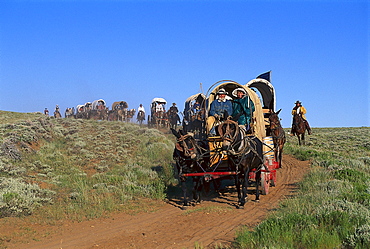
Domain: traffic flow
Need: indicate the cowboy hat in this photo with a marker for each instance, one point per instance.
(298, 102)
(238, 89)
(221, 91)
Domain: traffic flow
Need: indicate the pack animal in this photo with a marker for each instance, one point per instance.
(244, 154)
(190, 157)
(278, 136)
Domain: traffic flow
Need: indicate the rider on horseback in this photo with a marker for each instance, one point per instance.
(141, 112)
(173, 109)
(141, 108)
(299, 109)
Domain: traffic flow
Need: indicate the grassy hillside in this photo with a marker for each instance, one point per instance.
(332, 208)
(78, 169)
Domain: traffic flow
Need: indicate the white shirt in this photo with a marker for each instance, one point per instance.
(141, 108)
(159, 108)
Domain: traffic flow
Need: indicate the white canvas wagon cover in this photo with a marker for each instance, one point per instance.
(159, 100)
(95, 103)
(266, 90)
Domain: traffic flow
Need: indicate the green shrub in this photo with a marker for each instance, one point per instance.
(20, 198)
(332, 207)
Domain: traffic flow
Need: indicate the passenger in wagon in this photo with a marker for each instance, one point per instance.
(220, 109)
(243, 108)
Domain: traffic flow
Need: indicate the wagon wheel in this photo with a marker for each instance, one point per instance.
(149, 121)
(273, 179)
(265, 182)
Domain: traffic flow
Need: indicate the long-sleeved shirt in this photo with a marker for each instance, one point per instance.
(299, 110)
(244, 106)
(220, 106)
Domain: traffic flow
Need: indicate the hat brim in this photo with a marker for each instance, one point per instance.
(234, 93)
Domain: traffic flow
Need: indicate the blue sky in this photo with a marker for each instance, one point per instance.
(72, 52)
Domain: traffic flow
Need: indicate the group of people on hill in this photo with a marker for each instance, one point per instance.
(241, 109)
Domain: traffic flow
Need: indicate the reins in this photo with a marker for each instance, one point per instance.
(227, 135)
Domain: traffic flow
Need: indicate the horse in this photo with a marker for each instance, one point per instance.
(112, 115)
(174, 119)
(299, 128)
(57, 114)
(98, 114)
(278, 136)
(130, 114)
(244, 154)
(140, 117)
(191, 157)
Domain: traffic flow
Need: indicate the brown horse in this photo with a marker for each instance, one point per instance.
(57, 114)
(299, 128)
(278, 136)
(173, 119)
(140, 117)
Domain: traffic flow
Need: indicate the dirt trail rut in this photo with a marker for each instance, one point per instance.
(171, 227)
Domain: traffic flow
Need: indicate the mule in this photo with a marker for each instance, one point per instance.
(130, 114)
(191, 157)
(244, 155)
(278, 136)
(160, 119)
(112, 115)
(299, 128)
(98, 114)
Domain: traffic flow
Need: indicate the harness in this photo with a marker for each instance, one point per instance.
(228, 131)
(277, 126)
(184, 148)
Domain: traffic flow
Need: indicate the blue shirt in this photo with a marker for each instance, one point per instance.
(219, 107)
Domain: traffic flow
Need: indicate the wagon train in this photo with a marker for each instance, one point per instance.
(224, 148)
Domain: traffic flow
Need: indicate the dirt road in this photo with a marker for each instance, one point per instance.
(213, 222)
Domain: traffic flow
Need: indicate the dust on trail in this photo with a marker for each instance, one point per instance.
(212, 222)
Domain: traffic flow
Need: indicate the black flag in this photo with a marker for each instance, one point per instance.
(265, 76)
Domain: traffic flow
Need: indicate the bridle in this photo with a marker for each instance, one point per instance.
(227, 135)
(277, 126)
(184, 147)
